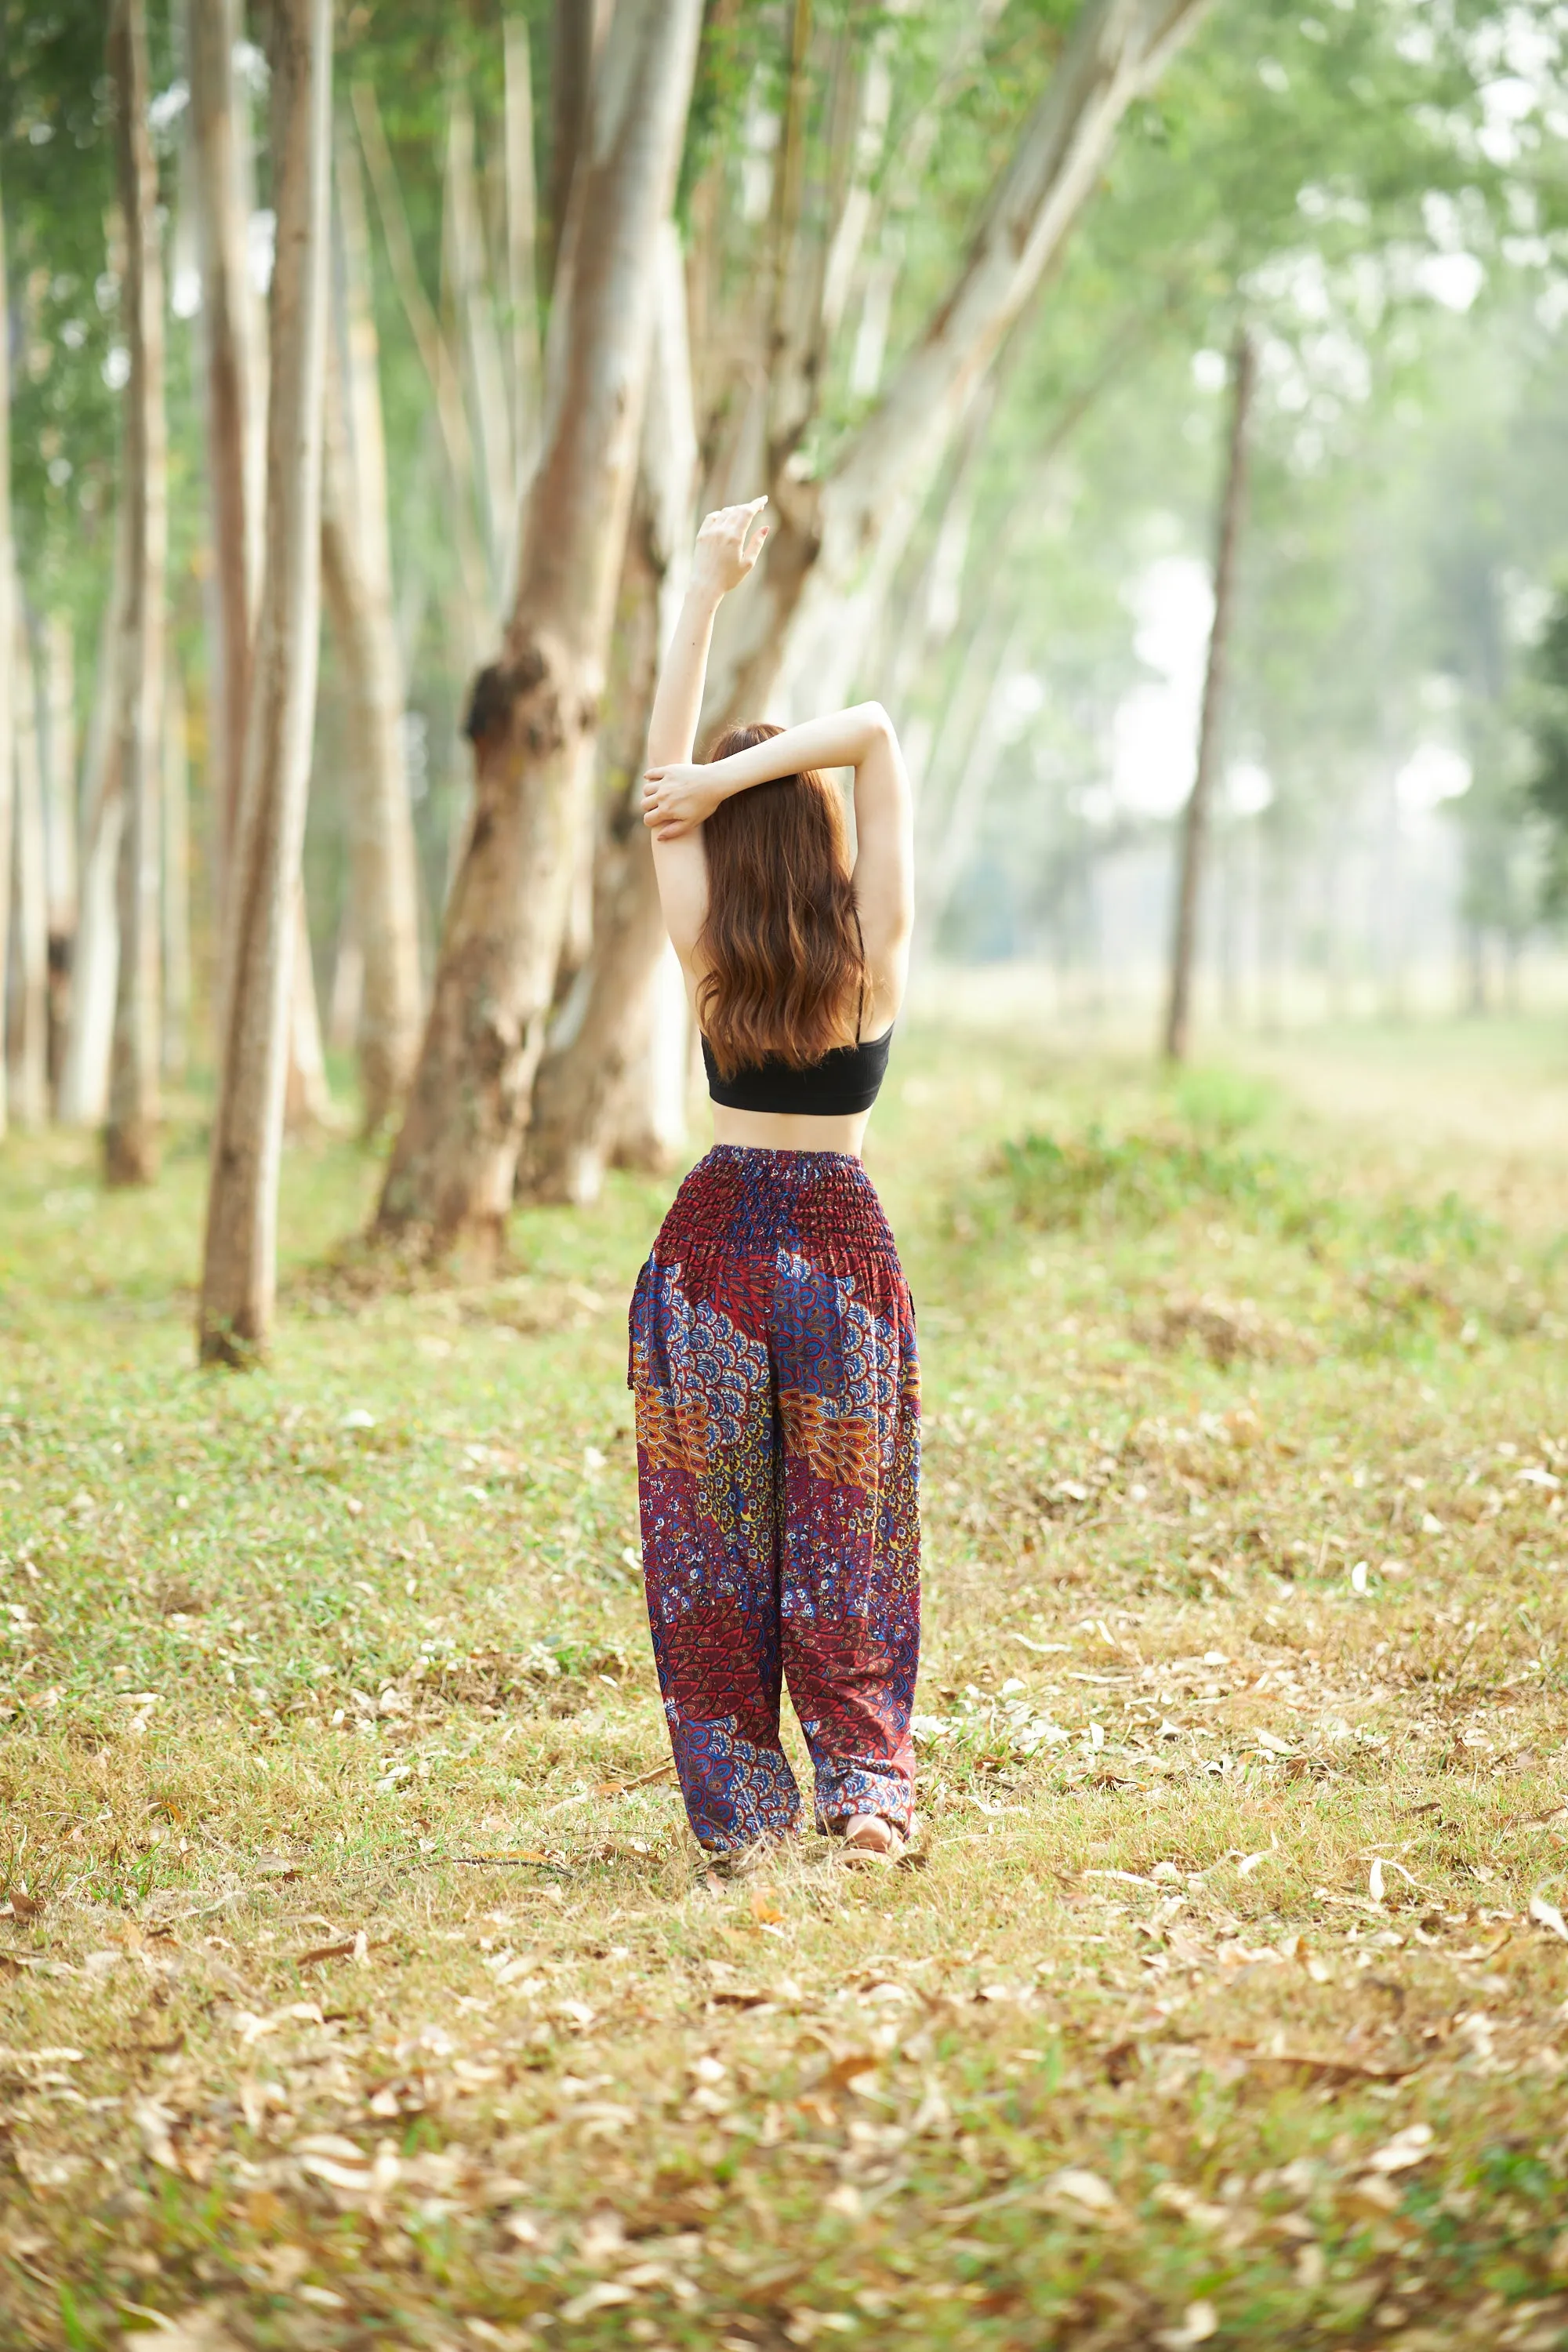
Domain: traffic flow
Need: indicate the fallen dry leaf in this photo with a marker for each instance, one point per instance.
(1547, 1915)
(1086, 2192)
(337, 1951)
(844, 2071)
(200, 2329)
(641, 1780)
(1407, 2147)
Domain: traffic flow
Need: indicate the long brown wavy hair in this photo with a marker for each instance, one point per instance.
(785, 966)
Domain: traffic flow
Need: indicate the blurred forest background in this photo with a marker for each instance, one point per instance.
(989, 382)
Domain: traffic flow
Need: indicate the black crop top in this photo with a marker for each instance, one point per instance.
(845, 1081)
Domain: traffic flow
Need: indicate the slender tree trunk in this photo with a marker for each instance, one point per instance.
(605, 1029)
(131, 1138)
(176, 875)
(27, 1038)
(356, 570)
(651, 1126)
(1195, 816)
(84, 1075)
(577, 35)
(522, 239)
(467, 274)
(7, 634)
(60, 825)
(824, 534)
(239, 1271)
(307, 1096)
(234, 401)
(476, 611)
(534, 716)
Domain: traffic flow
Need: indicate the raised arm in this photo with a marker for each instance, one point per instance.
(678, 796)
(723, 559)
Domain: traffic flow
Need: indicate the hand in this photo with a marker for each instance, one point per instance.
(723, 557)
(678, 796)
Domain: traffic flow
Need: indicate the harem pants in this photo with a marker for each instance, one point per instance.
(773, 1357)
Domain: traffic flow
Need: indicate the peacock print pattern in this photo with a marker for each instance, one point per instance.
(774, 1362)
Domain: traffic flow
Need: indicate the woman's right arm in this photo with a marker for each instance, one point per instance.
(722, 560)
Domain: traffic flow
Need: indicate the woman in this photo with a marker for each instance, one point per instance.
(773, 1341)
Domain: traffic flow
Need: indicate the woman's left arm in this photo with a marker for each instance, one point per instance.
(679, 795)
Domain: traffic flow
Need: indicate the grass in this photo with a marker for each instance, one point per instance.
(361, 1986)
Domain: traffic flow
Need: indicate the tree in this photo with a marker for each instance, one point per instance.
(1195, 816)
(837, 540)
(8, 632)
(239, 1268)
(130, 1139)
(233, 386)
(356, 568)
(828, 533)
(603, 1028)
(533, 714)
(29, 1022)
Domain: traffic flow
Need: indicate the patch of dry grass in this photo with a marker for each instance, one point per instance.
(361, 1985)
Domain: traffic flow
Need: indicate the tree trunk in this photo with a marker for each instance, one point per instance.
(60, 830)
(534, 715)
(356, 570)
(577, 35)
(521, 237)
(8, 633)
(605, 1029)
(233, 404)
(176, 875)
(467, 275)
(131, 1137)
(84, 1075)
(306, 1095)
(28, 1027)
(239, 1270)
(824, 534)
(475, 608)
(651, 1126)
(1195, 816)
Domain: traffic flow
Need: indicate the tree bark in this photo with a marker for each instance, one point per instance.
(8, 633)
(84, 1075)
(521, 240)
(534, 715)
(468, 276)
(233, 404)
(27, 1024)
(357, 572)
(239, 1270)
(176, 875)
(131, 1137)
(603, 1031)
(826, 534)
(577, 35)
(60, 825)
(1195, 816)
(476, 610)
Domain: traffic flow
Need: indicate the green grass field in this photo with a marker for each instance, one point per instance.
(360, 1985)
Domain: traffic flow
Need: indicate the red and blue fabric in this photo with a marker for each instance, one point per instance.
(777, 1385)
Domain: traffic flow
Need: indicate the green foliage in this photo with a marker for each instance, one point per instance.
(1098, 1183)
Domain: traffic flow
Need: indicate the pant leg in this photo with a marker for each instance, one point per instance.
(707, 1447)
(849, 1408)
